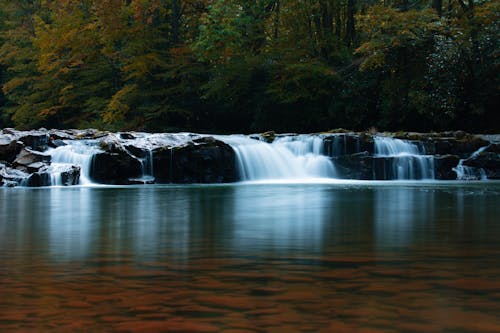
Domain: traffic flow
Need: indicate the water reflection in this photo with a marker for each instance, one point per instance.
(401, 214)
(264, 258)
(179, 222)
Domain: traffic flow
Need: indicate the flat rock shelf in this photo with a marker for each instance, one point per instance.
(81, 157)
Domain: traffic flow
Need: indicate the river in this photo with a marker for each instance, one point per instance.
(339, 256)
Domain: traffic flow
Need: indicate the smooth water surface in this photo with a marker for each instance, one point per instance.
(362, 257)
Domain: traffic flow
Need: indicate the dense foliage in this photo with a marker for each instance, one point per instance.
(241, 66)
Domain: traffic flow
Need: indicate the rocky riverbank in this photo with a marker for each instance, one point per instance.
(69, 157)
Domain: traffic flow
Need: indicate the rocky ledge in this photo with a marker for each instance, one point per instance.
(68, 157)
(29, 158)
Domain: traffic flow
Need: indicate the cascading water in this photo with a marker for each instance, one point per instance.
(291, 157)
(399, 159)
(341, 145)
(470, 173)
(75, 152)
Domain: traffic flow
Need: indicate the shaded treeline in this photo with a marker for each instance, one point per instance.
(250, 65)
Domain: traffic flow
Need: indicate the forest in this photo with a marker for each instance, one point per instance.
(250, 65)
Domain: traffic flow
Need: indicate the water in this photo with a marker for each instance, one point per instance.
(289, 157)
(470, 173)
(354, 257)
(76, 152)
(399, 159)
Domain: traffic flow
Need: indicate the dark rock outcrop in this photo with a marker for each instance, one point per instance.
(9, 148)
(115, 165)
(39, 178)
(139, 158)
(35, 139)
(31, 161)
(71, 175)
(487, 160)
(204, 160)
(347, 144)
(355, 166)
(444, 165)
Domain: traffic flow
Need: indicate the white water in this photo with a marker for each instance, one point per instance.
(289, 157)
(407, 160)
(470, 173)
(76, 152)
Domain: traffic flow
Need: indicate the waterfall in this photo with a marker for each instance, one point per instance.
(342, 144)
(147, 166)
(76, 152)
(290, 157)
(399, 159)
(470, 173)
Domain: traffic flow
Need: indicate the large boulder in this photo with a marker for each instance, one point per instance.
(115, 165)
(444, 165)
(64, 174)
(203, 160)
(39, 178)
(35, 139)
(56, 134)
(355, 166)
(9, 147)
(71, 176)
(30, 160)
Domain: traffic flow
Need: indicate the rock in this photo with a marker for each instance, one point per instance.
(139, 152)
(28, 157)
(10, 131)
(163, 164)
(355, 166)
(71, 175)
(36, 139)
(346, 144)
(35, 167)
(462, 147)
(61, 135)
(268, 136)
(204, 160)
(9, 147)
(116, 165)
(56, 143)
(127, 136)
(115, 168)
(443, 167)
(90, 133)
(488, 160)
(40, 178)
(11, 177)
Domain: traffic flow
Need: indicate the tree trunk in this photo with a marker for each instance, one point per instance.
(338, 20)
(350, 31)
(437, 5)
(176, 17)
(276, 19)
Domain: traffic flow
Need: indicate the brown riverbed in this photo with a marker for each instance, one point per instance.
(261, 258)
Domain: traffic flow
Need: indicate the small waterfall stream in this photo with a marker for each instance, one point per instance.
(470, 173)
(76, 152)
(290, 157)
(303, 157)
(399, 159)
